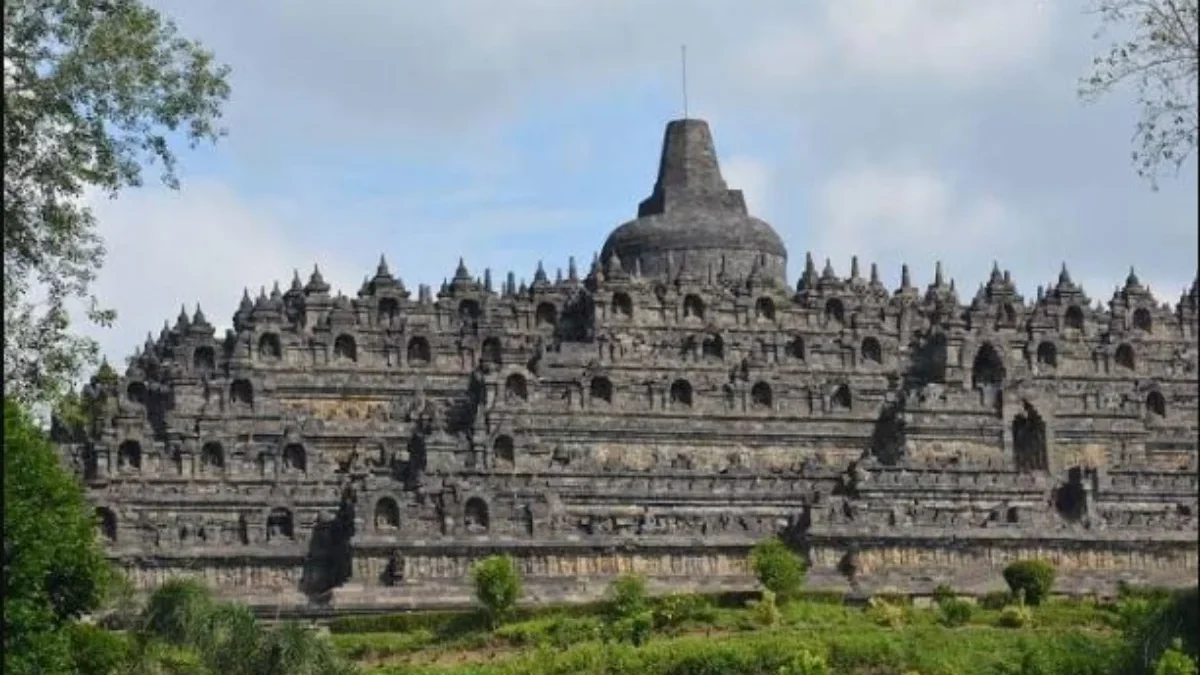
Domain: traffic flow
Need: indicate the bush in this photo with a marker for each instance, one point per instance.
(634, 629)
(1033, 577)
(996, 600)
(943, 592)
(1014, 616)
(97, 651)
(1174, 662)
(954, 612)
(765, 610)
(497, 586)
(778, 568)
(1152, 627)
(675, 610)
(885, 613)
(805, 663)
(176, 611)
(628, 597)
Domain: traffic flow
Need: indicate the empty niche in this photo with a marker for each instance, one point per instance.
(345, 348)
(988, 368)
(761, 397)
(204, 359)
(135, 392)
(1156, 404)
(1142, 320)
(469, 311)
(764, 309)
(1029, 440)
(491, 351)
(106, 523)
(419, 353)
(129, 456)
(546, 315)
(693, 307)
(795, 348)
(389, 311)
(527, 519)
(1073, 318)
(835, 311)
(713, 347)
(280, 524)
(622, 305)
(295, 458)
(241, 394)
(269, 347)
(503, 450)
(1125, 358)
(601, 390)
(681, 393)
(243, 530)
(387, 514)
(212, 457)
(475, 515)
(1047, 355)
(872, 351)
(516, 388)
(841, 400)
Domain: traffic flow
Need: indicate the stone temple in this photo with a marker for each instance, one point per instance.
(658, 413)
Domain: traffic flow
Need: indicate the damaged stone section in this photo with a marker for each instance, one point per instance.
(660, 413)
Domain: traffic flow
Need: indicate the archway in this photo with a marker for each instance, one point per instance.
(516, 388)
(136, 393)
(681, 393)
(1142, 320)
(601, 389)
(295, 458)
(475, 515)
(241, 394)
(280, 524)
(764, 309)
(835, 311)
(503, 450)
(795, 348)
(546, 315)
(1073, 318)
(622, 305)
(389, 311)
(713, 347)
(988, 368)
(345, 348)
(269, 347)
(212, 457)
(1029, 440)
(872, 351)
(387, 514)
(761, 396)
(129, 456)
(1047, 355)
(841, 400)
(419, 353)
(693, 307)
(491, 352)
(1125, 357)
(106, 523)
(204, 360)
(1156, 404)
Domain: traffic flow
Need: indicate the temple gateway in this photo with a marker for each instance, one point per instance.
(659, 412)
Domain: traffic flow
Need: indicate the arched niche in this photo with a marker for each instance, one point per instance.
(622, 305)
(761, 396)
(835, 311)
(693, 307)
(419, 353)
(764, 309)
(795, 348)
(988, 368)
(212, 457)
(1156, 404)
(491, 351)
(1007, 317)
(387, 514)
(546, 315)
(1047, 354)
(136, 392)
(841, 399)
(475, 516)
(872, 351)
(601, 389)
(1125, 357)
(388, 311)
(1029, 440)
(280, 524)
(681, 393)
(270, 348)
(295, 458)
(469, 310)
(504, 450)
(345, 348)
(1142, 320)
(1073, 318)
(241, 394)
(106, 523)
(129, 456)
(713, 347)
(204, 359)
(516, 388)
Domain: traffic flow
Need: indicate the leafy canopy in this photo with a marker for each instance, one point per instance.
(778, 568)
(93, 91)
(497, 585)
(1158, 53)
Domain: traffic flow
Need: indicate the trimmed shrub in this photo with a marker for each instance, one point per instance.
(778, 568)
(1174, 662)
(497, 586)
(177, 610)
(1014, 616)
(1034, 577)
(954, 612)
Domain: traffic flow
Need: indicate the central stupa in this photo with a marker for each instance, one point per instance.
(692, 222)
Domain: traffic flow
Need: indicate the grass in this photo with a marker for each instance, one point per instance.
(851, 640)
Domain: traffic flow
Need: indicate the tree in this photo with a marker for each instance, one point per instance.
(93, 91)
(777, 567)
(1159, 55)
(497, 586)
(54, 569)
(1030, 579)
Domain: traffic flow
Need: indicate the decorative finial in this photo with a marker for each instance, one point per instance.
(937, 274)
(382, 269)
(1064, 277)
(905, 277)
(539, 275)
(296, 283)
(854, 268)
(572, 272)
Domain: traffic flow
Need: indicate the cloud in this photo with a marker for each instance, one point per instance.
(753, 177)
(200, 244)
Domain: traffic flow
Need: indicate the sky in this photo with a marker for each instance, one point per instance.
(901, 131)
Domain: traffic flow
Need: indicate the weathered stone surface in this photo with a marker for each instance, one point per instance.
(659, 415)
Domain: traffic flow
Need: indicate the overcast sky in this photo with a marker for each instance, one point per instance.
(525, 130)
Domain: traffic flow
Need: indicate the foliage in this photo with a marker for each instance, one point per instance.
(634, 629)
(558, 632)
(497, 586)
(765, 611)
(54, 571)
(627, 597)
(954, 612)
(1174, 662)
(177, 611)
(1153, 626)
(1015, 616)
(93, 91)
(943, 592)
(1158, 53)
(778, 568)
(677, 609)
(1034, 578)
(886, 613)
(96, 651)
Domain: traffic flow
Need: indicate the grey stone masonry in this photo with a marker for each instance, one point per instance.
(660, 413)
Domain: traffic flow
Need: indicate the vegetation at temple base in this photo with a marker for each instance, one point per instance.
(1158, 54)
(1030, 580)
(94, 90)
(497, 586)
(777, 567)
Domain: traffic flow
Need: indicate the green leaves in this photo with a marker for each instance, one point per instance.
(94, 91)
(778, 569)
(497, 585)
